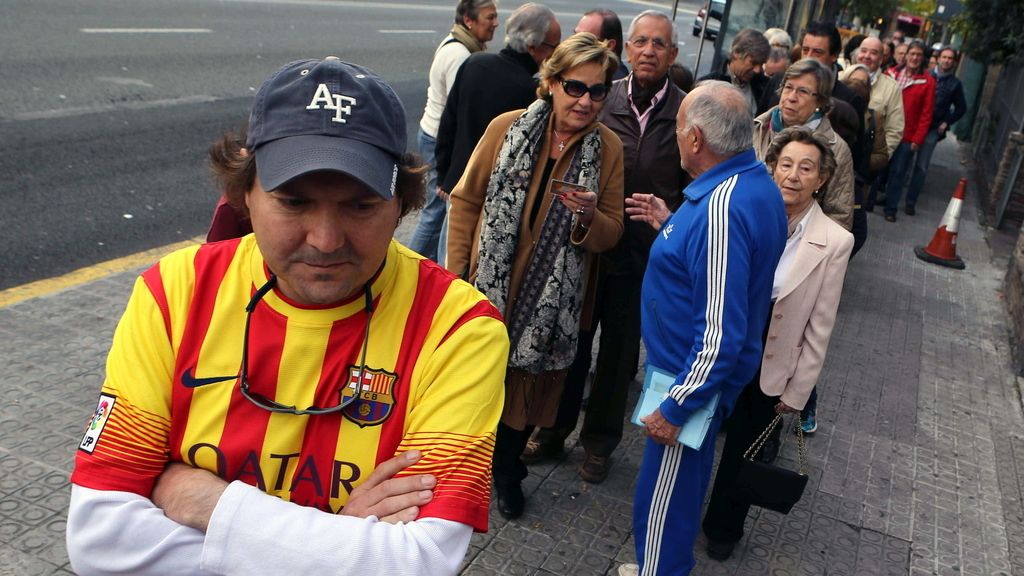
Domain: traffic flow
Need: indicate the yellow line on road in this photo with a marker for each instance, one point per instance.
(88, 274)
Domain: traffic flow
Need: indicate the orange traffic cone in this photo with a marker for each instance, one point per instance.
(942, 249)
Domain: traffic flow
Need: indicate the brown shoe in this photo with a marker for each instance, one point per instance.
(540, 447)
(595, 468)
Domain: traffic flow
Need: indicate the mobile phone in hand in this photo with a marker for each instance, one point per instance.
(560, 187)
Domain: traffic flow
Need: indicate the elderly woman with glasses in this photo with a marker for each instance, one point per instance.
(540, 196)
(804, 100)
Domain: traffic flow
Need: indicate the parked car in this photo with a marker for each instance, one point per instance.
(717, 7)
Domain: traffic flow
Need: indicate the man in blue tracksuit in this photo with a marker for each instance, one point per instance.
(705, 300)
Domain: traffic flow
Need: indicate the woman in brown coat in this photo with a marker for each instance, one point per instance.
(542, 193)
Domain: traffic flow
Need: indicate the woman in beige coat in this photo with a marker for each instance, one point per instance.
(804, 99)
(808, 284)
(541, 194)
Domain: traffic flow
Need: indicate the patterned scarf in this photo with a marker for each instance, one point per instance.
(544, 322)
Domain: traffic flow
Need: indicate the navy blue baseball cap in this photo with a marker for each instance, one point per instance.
(314, 115)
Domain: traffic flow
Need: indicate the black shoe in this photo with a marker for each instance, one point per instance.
(909, 209)
(720, 550)
(868, 208)
(890, 217)
(510, 500)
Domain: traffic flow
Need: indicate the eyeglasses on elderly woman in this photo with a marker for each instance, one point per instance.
(801, 92)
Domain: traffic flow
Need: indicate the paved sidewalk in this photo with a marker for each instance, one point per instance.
(913, 469)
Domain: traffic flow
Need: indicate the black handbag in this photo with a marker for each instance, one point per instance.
(767, 485)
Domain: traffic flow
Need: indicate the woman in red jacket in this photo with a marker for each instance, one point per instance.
(918, 103)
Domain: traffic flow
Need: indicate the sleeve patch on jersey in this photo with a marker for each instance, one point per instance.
(99, 419)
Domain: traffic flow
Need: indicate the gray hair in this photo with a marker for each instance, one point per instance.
(750, 42)
(654, 14)
(528, 26)
(723, 116)
(778, 38)
(821, 74)
(471, 9)
(778, 53)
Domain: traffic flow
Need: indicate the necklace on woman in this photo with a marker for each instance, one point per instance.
(561, 141)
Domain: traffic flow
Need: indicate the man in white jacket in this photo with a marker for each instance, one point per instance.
(313, 398)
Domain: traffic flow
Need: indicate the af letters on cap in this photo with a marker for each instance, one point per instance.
(332, 102)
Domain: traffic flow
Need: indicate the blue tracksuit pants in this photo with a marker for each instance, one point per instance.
(667, 508)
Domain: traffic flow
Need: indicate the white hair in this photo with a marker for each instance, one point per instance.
(528, 26)
(722, 114)
(654, 14)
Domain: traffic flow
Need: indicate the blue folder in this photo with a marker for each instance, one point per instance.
(657, 384)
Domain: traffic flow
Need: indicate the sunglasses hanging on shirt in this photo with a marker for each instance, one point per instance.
(274, 406)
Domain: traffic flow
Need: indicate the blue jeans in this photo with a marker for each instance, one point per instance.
(899, 169)
(434, 213)
(442, 243)
(924, 158)
(811, 407)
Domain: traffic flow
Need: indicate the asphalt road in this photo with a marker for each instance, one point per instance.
(107, 107)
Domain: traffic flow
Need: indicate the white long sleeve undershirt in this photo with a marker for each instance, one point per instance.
(251, 532)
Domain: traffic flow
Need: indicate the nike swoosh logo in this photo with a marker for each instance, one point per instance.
(190, 381)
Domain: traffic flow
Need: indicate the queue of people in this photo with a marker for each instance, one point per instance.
(304, 375)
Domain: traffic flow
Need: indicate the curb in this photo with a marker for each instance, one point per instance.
(48, 286)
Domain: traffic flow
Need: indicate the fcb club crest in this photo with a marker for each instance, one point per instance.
(374, 396)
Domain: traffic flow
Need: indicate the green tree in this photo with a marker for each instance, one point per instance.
(919, 7)
(871, 10)
(993, 30)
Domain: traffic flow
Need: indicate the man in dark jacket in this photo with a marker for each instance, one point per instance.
(950, 105)
(745, 69)
(641, 109)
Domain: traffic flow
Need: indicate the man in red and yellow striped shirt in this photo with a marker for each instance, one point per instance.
(313, 397)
